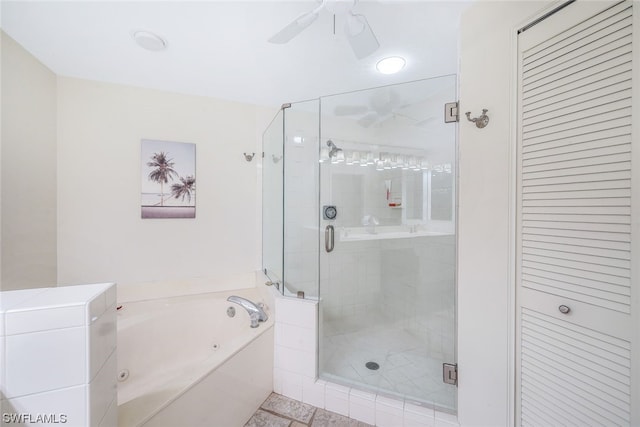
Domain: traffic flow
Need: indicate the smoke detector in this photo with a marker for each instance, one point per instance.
(149, 41)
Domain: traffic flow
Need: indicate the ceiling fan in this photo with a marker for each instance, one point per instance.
(357, 29)
(380, 105)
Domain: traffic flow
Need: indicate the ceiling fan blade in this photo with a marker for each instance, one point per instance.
(296, 27)
(349, 110)
(360, 36)
(368, 120)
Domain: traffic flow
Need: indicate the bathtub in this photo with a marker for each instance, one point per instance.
(184, 361)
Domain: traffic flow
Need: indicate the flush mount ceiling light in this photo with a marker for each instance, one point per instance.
(149, 41)
(390, 65)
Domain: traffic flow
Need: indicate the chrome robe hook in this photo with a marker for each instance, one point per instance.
(481, 121)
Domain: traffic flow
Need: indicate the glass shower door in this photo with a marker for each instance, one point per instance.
(387, 240)
(301, 199)
(290, 199)
(273, 200)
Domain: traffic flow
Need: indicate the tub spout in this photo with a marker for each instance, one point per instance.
(256, 312)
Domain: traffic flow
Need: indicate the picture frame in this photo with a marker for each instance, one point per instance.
(168, 179)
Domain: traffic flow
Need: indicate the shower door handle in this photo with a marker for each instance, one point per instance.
(328, 238)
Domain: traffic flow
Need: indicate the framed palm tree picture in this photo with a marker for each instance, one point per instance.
(168, 171)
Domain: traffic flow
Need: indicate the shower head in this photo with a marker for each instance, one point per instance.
(334, 150)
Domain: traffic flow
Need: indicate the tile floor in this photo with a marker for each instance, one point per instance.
(280, 411)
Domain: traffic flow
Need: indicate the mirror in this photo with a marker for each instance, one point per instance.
(415, 195)
(441, 196)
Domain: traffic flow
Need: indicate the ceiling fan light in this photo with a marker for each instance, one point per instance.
(360, 36)
(354, 25)
(390, 65)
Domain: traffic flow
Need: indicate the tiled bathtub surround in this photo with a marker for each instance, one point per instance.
(57, 354)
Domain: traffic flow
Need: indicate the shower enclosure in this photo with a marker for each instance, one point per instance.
(359, 212)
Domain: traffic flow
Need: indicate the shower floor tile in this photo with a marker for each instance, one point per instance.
(406, 368)
(280, 411)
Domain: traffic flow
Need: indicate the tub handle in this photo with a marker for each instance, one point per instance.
(329, 242)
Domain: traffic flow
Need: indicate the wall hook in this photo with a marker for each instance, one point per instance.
(481, 121)
(248, 157)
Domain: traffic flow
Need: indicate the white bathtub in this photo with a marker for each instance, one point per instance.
(189, 363)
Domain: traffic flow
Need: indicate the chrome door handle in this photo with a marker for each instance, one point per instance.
(564, 309)
(328, 238)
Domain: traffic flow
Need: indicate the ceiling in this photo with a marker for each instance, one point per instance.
(220, 48)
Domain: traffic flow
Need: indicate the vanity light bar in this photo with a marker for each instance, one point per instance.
(381, 161)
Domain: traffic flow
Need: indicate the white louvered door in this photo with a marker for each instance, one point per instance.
(574, 218)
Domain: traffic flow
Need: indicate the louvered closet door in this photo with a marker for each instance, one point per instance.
(574, 218)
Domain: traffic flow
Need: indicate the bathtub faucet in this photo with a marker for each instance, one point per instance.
(256, 312)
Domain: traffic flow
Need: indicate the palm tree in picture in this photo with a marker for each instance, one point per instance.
(185, 188)
(162, 171)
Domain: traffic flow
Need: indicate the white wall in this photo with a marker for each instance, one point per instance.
(101, 236)
(485, 284)
(28, 170)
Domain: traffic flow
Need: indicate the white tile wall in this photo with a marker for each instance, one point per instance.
(70, 402)
(295, 337)
(44, 361)
(297, 312)
(362, 406)
(313, 391)
(418, 416)
(58, 353)
(277, 376)
(336, 399)
(389, 412)
(445, 420)
(295, 345)
(20, 321)
(291, 384)
(11, 299)
(102, 340)
(102, 391)
(295, 361)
